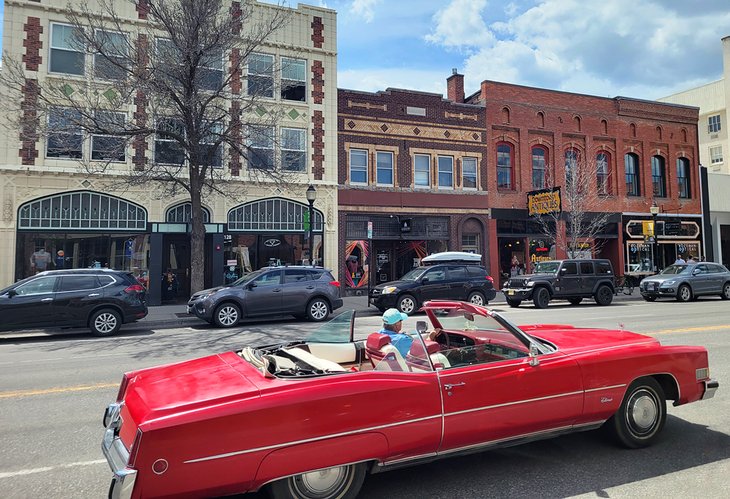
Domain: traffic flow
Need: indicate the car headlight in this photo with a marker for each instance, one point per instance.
(530, 284)
(668, 283)
(389, 289)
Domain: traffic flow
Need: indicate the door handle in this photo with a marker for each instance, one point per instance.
(47, 299)
(449, 386)
(94, 294)
(277, 290)
(310, 287)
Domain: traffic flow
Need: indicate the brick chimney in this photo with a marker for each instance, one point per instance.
(455, 86)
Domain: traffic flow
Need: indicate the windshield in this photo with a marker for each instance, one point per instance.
(414, 274)
(547, 267)
(247, 278)
(676, 270)
(337, 330)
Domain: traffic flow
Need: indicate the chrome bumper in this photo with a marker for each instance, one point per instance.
(117, 456)
(711, 387)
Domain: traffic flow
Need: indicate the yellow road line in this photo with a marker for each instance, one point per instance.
(691, 329)
(48, 391)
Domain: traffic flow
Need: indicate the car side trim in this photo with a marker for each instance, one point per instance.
(516, 402)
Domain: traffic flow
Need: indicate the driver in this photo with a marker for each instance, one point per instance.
(392, 325)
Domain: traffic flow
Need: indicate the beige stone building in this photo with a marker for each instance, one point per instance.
(51, 205)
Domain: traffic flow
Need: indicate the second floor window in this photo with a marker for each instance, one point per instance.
(293, 79)
(293, 149)
(716, 154)
(261, 147)
(713, 124)
(504, 166)
(469, 173)
(683, 182)
(571, 166)
(539, 161)
(446, 172)
(358, 166)
(108, 146)
(167, 148)
(631, 164)
(65, 138)
(658, 177)
(384, 167)
(261, 75)
(67, 54)
(602, 174)
(422, 170)
(111, 65)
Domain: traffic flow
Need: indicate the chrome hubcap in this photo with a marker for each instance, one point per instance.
(318, 310)
(643, 412)
(322, 484)
(228, 316)
(105, 323)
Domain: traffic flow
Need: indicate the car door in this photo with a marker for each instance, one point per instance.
(587, 277)
(568, 280)
(29, 305)
(434, 285)
(717, 278)
(265, 294)
(493, 401)
(458, 280)
(701, 279)
(298, 289)
(76, 296)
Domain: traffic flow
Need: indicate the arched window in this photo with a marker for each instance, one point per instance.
(505, 162)
(571, 165)
(631, 163)
(539, 167)
(683, 178)
(658, 177)
(182, 213)
(273, 215)
(603, 178)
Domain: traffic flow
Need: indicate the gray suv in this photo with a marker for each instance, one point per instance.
(310, 292)
(570, 280)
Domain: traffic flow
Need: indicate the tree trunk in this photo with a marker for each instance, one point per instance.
(197, 234)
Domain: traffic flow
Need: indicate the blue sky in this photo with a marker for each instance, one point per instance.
(636, 48)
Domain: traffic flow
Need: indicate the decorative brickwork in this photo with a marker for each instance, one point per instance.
(139, 159)
(235, 162)
(236, 14)
(317, 32)
(29, 122)
(318, 145)
(32, 43)
(143, 8)
(317, 82)
(235, 60)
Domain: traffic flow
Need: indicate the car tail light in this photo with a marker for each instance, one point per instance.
(490, 279)
(134, 288)
(335, 284)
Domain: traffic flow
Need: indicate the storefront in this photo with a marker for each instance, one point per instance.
(646, 253)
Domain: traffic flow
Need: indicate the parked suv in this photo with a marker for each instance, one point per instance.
(100, 299)
(456, 280)
(300, 291)
(570, 280)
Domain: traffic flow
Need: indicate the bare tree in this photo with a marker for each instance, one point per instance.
(178, 75)
(582, 206)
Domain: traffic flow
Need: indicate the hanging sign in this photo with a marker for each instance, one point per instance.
(544, 201)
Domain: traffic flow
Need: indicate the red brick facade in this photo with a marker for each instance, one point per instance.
(32, 43)
(318, 145)
(29, 120)
(143, 8)
(317, 32)
(317, 82)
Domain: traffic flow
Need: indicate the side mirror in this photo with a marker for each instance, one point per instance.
(251, 285)
(424, 280)
(12, 293)
(696, 272)
(421, 327)
(534, 352)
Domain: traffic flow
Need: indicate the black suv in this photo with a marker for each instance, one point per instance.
(300, 291)
(447, 281)
(100, 299)
(570, 280)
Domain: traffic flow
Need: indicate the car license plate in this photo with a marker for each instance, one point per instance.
(510, 291)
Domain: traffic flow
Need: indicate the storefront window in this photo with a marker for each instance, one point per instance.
(639, 257)
(357, 257)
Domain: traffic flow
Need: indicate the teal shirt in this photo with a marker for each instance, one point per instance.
(400, 341)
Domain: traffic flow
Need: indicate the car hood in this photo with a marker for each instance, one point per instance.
(571, 339)
(183, 389)
(398, 284)
(207, 292)
(662, 278)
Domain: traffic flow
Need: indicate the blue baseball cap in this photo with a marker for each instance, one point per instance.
(393, 316)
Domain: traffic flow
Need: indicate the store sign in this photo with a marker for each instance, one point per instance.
(647, 228)
(544, 202)
(272, 243)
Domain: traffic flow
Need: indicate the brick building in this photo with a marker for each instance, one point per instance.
(648, 153)
(413, 177)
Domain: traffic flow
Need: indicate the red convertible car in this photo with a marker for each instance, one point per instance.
(312, 418)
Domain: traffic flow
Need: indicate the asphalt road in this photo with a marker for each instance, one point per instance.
(53, 391)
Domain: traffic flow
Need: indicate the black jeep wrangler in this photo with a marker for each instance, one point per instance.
(570, 280)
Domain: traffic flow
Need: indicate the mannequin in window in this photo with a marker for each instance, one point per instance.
(40, 260)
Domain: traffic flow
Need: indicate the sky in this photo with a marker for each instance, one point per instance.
(645, 49)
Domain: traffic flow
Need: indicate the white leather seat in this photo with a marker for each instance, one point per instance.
(392, 360)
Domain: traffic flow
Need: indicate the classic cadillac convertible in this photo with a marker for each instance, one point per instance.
(311, 418)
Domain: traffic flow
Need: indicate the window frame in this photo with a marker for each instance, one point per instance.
(505, 170)
(268, 75)
(427, 185)
(659, 176)
(716, 159)
(365, 168)
(255, 146)
(302, 153)
(536, 168)
(632, 179)
(439, 172)
(684, 185)
(378, 168)
(714, 123)
(158, 138)
(97, 56)
(475, 175)
(51, 48)
(123, 158)
(571, 162)
(76, 132)
(282, 79)
(209, 69)
(603, 178)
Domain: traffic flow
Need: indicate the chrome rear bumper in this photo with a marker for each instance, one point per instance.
(711, 387)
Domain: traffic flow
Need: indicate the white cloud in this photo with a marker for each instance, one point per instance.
(460, 24)
(365, 8)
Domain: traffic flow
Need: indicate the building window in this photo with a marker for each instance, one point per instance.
(67, 55)
(631, 163)
(658, 177)
(504, 166)
(261, 147)
(261, 75)
(571, 166)
(109, 146)
(293, 149)
(422, 170)
(293, 79)
(446, 172)
(358, 166)
(168, 149)
(713, 124)
(469, 173)
(112, 64)
(602, 173)
(210, 72)
(470, 243)
(65, 138)
(211, 154)
(716, 154)
(384, 168)
(539, 161)
(683, 178)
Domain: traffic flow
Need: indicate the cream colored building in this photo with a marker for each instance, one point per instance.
(49, 203)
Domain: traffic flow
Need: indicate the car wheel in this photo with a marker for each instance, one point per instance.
(476, 298)
(650, 298)
(318, 310)
(406, 304)
(227, 315)
(684, 293)
(725, 295)
(575, 301)
(641, 415)
(513, 303)
(342, 482)
(541, 297)
(604, 295)
(105, 322)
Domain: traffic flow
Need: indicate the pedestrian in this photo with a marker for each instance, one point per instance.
(679, 260)
(691, 259)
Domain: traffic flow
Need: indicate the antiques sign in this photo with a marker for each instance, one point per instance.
(544, 201)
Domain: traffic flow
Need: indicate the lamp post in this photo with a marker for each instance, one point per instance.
(311, 197)
(654, 210)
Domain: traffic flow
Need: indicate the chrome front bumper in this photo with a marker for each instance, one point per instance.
(711, 387)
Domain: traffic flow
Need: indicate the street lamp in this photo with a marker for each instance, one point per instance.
(654, 210)
(311, 196)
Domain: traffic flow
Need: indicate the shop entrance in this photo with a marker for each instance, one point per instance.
(175, 268)
(512, 257)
